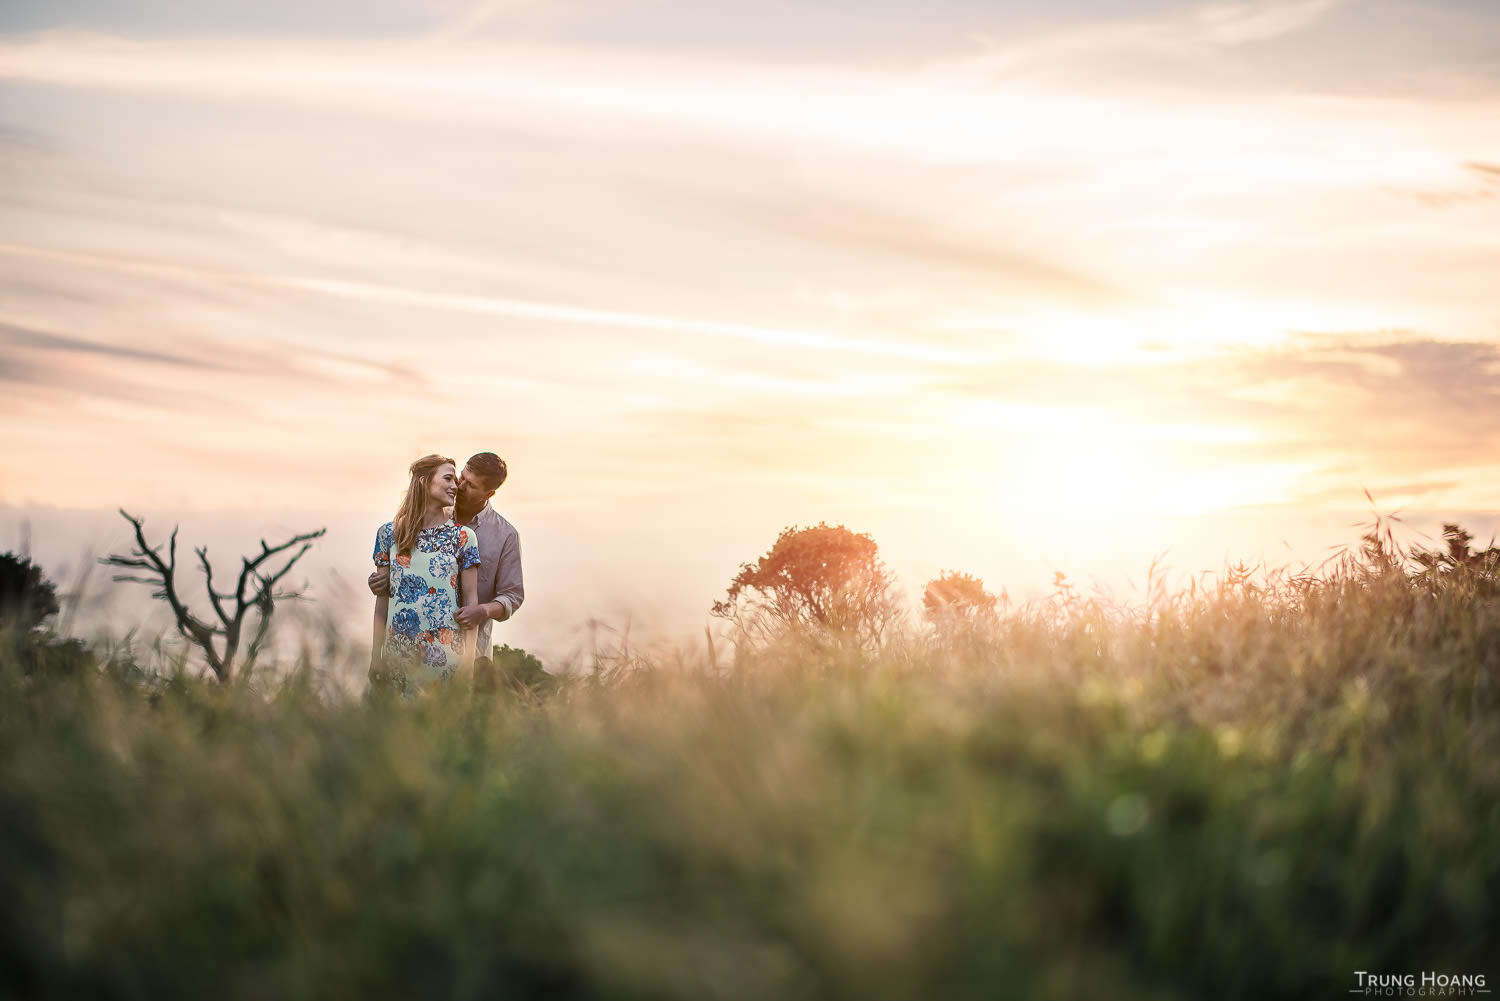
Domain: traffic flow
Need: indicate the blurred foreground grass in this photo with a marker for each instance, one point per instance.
(1245, 793)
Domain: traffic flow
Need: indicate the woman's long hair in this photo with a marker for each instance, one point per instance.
(408, 520)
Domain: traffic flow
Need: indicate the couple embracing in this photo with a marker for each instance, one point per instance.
(446, 567)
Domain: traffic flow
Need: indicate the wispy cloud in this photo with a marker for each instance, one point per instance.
(471, 17)
(1243, 23)
(1411, 401)
(191, 373)
(1476, 182)
(920, 246)
(13, 337)
(1087, 44)
(15, 140)
(1353, 410)
(957, 108)
(492, 306)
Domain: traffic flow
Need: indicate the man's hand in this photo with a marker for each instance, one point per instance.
(380, 583)
(473, 616)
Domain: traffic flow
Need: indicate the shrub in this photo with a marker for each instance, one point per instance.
(27, 598)
(819, 583)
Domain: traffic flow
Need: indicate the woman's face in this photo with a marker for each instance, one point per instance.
(444, 485)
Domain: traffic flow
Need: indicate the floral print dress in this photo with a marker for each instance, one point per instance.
(423, 642)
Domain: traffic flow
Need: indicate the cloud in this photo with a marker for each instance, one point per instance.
(199, 375)
(1424, 397)
(396, 295)
(918, 247)
(65, 385)
(1185, 31)
(16, 139)
(1486, 185)
(13, 337)
(1392, 405)
(48, 372)
(1243, 23)
(327, 18)
(1385, 493)
(785, 25)
(955, 110)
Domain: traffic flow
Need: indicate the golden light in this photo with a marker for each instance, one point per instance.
(1086, 461)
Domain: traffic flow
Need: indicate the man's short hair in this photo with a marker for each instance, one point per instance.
(489, 466)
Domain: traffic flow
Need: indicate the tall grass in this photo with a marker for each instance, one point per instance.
(1250, 791)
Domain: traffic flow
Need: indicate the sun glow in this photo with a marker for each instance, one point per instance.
(1193, 327)
(1087, 461)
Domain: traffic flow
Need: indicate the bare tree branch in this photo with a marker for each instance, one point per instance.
(254, 590)
(214, 597)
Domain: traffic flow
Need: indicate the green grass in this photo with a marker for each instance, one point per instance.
(1248, 793)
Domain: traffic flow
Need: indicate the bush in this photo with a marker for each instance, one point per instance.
(817, 584)
(27, 599)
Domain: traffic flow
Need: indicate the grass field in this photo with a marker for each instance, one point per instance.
(1252, 791)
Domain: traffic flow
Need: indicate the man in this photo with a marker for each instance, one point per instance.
(500, 590)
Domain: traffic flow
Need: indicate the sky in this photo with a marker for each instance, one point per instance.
(1015, 290)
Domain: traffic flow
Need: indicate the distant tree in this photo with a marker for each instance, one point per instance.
(824, 581)
(954, 597)
(255, 591)
(27, 600)
(26, 597)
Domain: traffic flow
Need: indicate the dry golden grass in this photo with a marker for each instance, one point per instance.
(1248, 791)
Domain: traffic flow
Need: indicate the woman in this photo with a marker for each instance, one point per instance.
(434, 569)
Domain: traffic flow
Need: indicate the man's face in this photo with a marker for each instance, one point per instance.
(472, 493)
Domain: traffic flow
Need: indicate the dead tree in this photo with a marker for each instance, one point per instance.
(256, 589)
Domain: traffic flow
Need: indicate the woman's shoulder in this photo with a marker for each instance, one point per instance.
(458, 536)
(385, 541)
(454, 530)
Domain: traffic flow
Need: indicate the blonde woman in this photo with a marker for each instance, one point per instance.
(433, 565)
